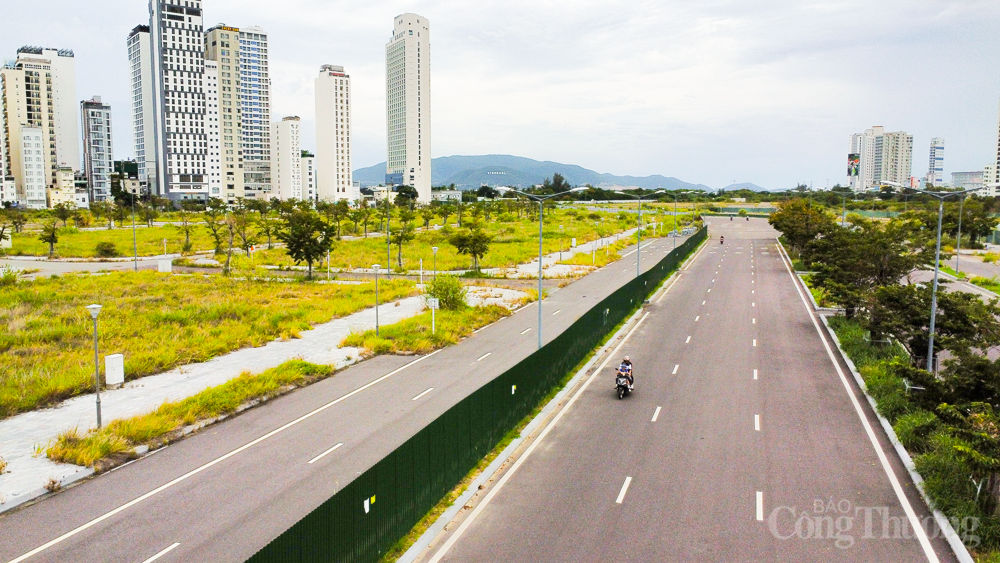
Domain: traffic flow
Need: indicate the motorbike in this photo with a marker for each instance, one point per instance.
(722, 240)
(621, 384)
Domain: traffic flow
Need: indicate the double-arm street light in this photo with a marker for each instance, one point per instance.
(541, 199)
(638, 232)
(675, 194)
(376, 267)
(940, 196)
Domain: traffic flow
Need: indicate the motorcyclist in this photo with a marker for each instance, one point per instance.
(625, 368)
(722, 239)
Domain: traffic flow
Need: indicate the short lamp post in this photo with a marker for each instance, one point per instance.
(435, 249)
(676, 232)
(95, 310)
(638, 246)
(541, 212)
(376, 268)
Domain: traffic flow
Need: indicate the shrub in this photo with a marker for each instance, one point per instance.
(3, 466)
(450, 291)
(990, 257)
(106, 249)
(914, 430)
(8, 276)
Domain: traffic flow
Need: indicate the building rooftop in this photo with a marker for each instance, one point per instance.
(32, 50)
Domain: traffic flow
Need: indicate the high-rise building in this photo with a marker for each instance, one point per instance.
(98, 152)
(408, 105)
(177, 45)
(143, 130)
(245, 108)
(967, 180)
(333, 135)
(991, 173)
(308, 168)
(8, 189)
(255, 108)
(884, 158)
(33, 150)
(212, 129)
(287, 163)
(935, 170)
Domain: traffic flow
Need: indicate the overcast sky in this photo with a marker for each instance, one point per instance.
(709, 91)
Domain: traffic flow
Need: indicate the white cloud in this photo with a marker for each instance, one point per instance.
(710, 91)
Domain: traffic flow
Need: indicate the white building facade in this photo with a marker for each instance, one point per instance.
(212, 129)
(884, 158)
(308, 172)
(177, 45)
(33, 153)
(287, 163)
(408, 105)
(255, 109)
(334, 178)
(98, 148)
(141, 75)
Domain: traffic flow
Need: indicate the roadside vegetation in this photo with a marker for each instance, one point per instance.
(946, 418)
(118, 440)
(157, 321)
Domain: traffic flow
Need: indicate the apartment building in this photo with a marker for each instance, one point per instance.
(287, 164)
(408, 105)
(143, 119)
(98, 148)
(334, 178)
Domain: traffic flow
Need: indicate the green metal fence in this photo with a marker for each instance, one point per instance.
(365, 518)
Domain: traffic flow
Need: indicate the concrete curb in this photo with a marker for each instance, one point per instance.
(448, 515)
(954, 540)
(952, 537)
(19, 500)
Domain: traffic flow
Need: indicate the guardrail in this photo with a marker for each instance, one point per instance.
(371, 513)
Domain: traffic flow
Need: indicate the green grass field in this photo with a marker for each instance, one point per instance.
(74, 243)
(157, 321)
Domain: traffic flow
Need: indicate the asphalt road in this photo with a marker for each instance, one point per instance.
(224, 493)
(740, 443)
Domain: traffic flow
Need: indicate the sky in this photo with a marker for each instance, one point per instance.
(712, 92)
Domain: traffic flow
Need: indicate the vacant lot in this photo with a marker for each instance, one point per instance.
(74, 243)
(157, 321)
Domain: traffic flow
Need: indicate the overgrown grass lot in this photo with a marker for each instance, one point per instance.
(75, 243)
(158, 321)
(414, 334)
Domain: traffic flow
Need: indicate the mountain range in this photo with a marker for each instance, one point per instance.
(470, 172)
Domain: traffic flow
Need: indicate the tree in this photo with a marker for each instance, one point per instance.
(976, 219)
(215, 223)
(6, 224)
(403, 234)
(444, 211)
(50, 236)
(307, 237)
(268, 226)
(186, 226)
(242, 223)
(18, 220)
(488, 192)
(853, 262)
(556, 185)
(120, 212)
(427, 213)
(800, 222)
(473, 242)
(148, 214)
(405, 196)
(63, 212)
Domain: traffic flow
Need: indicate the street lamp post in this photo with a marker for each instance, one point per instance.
(376, 268)
(94, 311)
(541, 212)
(638, 246)
(388, 239)
(676, 232)
(435, 249)
(940, 196)
(958, 248)
(135, 244)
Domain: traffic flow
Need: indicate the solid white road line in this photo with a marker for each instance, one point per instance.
(621, 494)
(483, 357)
(422, 394)
(484, 328)
(755, 320)
(676, 367)
(688, 341)
(527, 453)
(760, 506)
(214, 462)
(756, 422)
(162, 553)
(669, 287)
(557, 312)
(890, 473)
(656, 414)
(755, 374)
(752, 304)
(320, 456)
(525, 330)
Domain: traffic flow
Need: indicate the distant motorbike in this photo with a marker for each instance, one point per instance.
(722, 240)
(621, 384)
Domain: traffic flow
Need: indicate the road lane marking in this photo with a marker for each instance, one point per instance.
(710, 290)
(713, 280)
(688, 341)
(755, 374)
(557, 312)
(755, 320)
(918, 529)
(525, 330)
(756, 422)
(754, 291)
(656, 414)
(621, 494)
(527, 453)
(754, 342)
(422, 394)
(676, 367)
(752, 304)
(212, 463)
(703, 302)
(162, 553)
(760, 506)
(483, 357)
(320, 456)
(696, 318)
